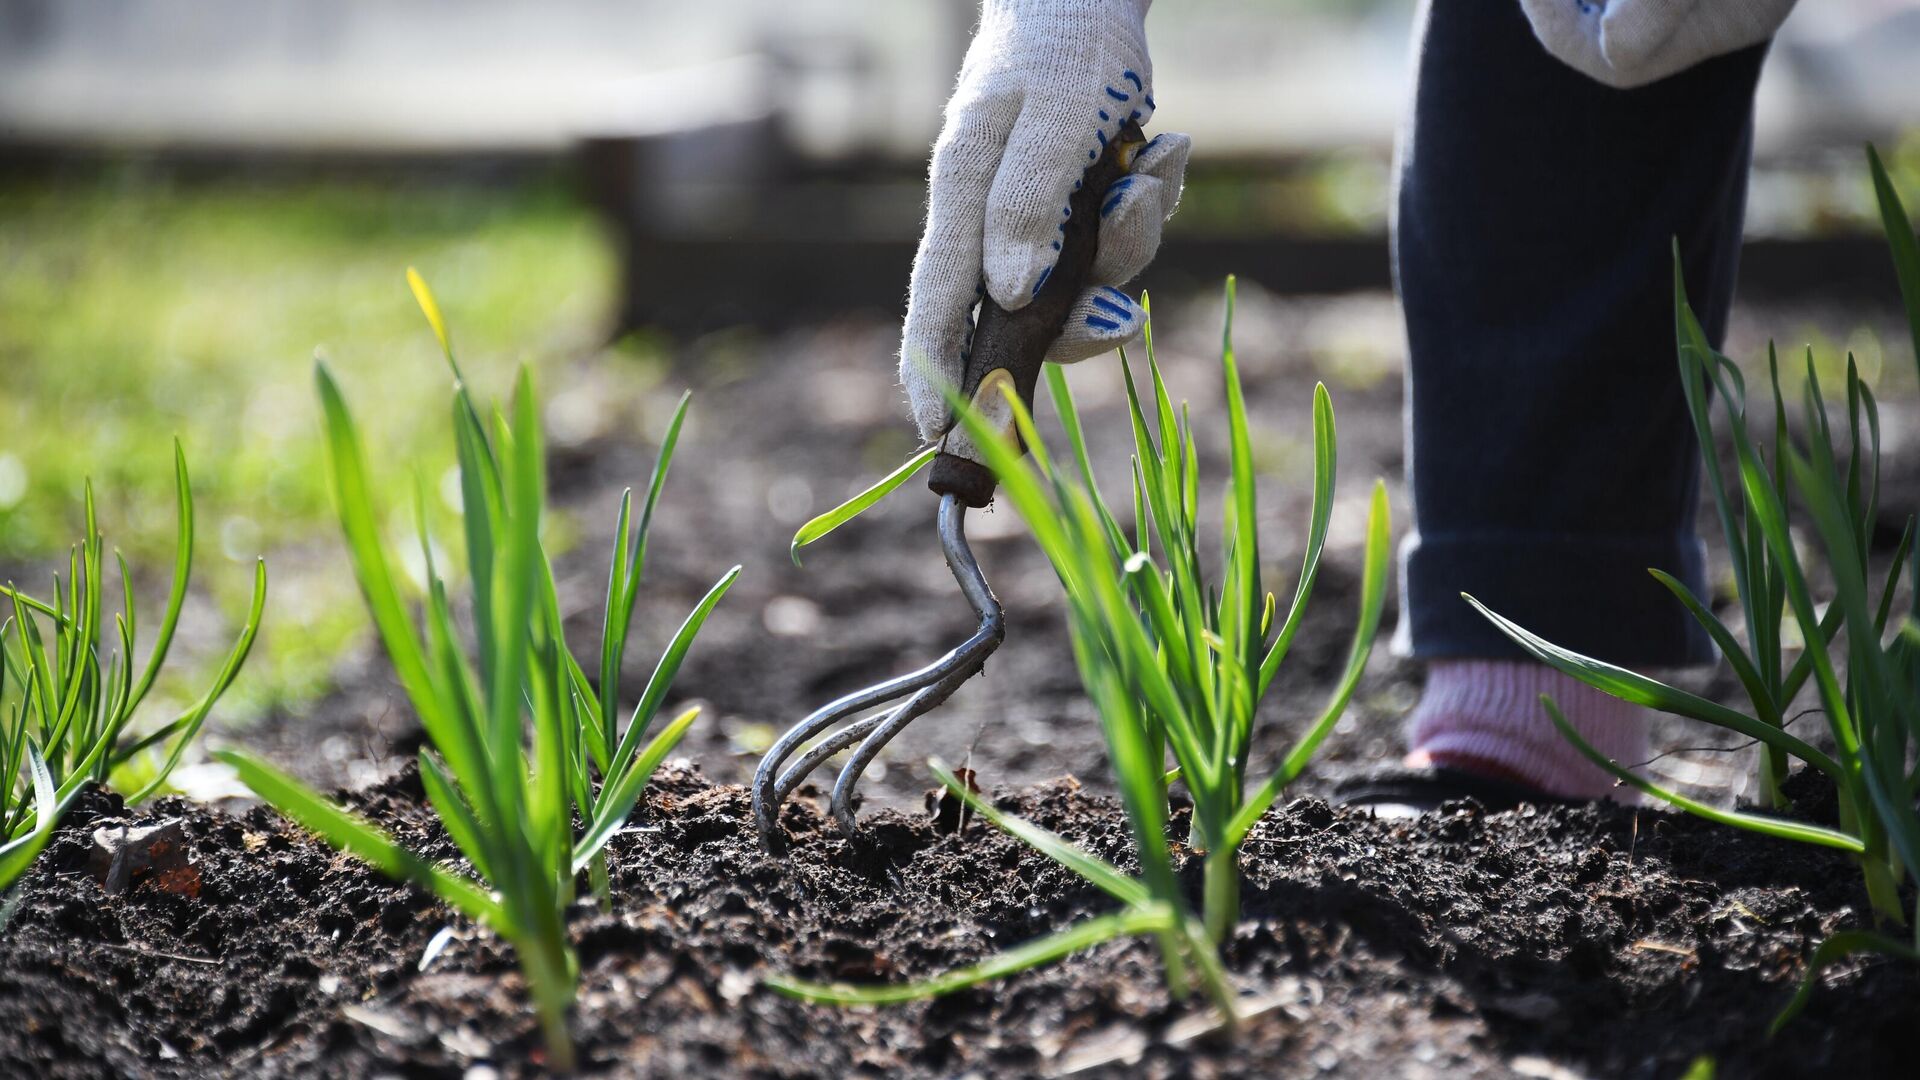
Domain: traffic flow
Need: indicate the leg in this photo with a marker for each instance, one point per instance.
(1551, 457)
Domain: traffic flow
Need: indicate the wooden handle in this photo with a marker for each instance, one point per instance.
(1010, 346)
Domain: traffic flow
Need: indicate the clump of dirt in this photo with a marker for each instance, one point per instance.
(1602, 940)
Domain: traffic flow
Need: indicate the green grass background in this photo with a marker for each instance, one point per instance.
(134, 309)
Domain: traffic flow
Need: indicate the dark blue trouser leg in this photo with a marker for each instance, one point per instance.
(1550, 453)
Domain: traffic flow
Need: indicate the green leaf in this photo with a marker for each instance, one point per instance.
(1373, 600)
(467, 753)
(550, 795)
(663, 673)
(1743, 669)
(613, 631)
(618, 803)
(182, 571)
(17, 855)
(1768, 508)
(1697, 363)
(1072, 537)
(1063, 406)
(456, 815)
(1325, 455)
(1640, 690)
(12, 593)
(1243, 613)
(1836, 948)
(480, 510)
(516, 582)
(1871, 683)
(354, 501)
(189, 724)
(854, 507)
(630, 570)
(1149, 920)
(1098, 872)
(1900, 238)
(363, 839)
(1779, 828)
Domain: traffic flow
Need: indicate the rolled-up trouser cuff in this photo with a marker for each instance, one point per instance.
(1591, 594)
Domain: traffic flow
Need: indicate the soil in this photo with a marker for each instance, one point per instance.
(1601, 940)
(1594, 940)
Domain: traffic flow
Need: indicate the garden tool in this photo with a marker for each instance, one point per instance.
(1008, 349)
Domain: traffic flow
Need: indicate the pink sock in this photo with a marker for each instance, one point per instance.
(1485, 716)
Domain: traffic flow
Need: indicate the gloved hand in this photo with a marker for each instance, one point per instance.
(1044, 86)
(1628, 43)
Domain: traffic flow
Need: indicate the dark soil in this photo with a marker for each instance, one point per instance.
(1598, 940)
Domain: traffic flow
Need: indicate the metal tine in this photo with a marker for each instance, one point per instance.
(769, 794)
(825, 749)
(928, 687)
(896, 721)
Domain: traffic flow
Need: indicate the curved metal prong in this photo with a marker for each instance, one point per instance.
(767, 794)
(771, 786)
(892, 724)
(819, 752)
(928, 687)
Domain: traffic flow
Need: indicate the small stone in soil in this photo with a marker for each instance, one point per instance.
(120, 853)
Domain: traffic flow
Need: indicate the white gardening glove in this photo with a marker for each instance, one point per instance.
(1045, 85)
(1628, 43)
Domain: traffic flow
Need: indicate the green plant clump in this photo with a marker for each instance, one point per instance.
(66, 714)
(520, 738)
(1864, 666)
(1176, 664)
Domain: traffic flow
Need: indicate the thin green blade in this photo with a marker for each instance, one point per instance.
(1034, 953)
(197, 715)
(1640, 690)
(1373, 600)
(1779, 828)
(854, 507)
(618, 803)
(1099, 872)
(363, 839)
(1900, 237)
(664, 672)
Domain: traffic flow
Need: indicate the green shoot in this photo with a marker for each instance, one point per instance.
(68, 692)
(1782, 828)
(1862, 663)
(854, 507)
(1175, 663)
(1131, 922)
(520, 739)
(1762, 668)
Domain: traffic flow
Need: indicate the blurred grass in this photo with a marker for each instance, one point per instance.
(134, 308)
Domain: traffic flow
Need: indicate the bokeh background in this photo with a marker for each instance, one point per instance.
(637, 197)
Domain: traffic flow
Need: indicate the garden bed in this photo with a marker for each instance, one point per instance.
(1598, 940)
(1601, 940)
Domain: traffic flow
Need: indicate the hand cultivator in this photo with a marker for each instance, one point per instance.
(1009, 348)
